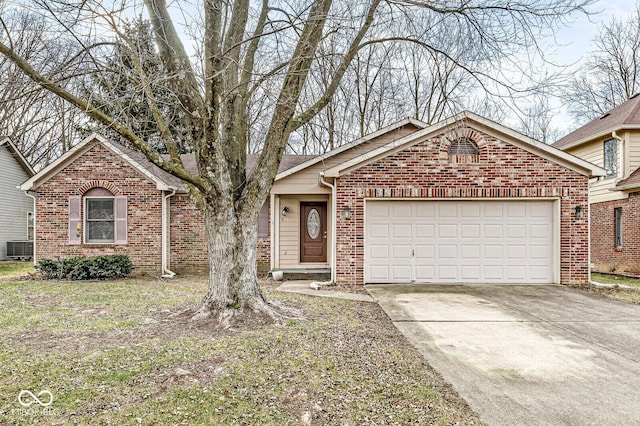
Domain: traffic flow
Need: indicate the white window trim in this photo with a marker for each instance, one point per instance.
(614, 171)
(85, 237)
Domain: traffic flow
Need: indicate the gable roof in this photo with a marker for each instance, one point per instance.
(164, 181)
(5, 141)
(624, 116)
(632, 182)
(473, 120)
(318, 158)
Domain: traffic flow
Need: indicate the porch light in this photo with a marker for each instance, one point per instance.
(579, 212)
(285, 210)
(346, 212)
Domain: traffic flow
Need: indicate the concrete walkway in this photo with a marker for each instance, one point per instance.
(303, 287)
(526, 355)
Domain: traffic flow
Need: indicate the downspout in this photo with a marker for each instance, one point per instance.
(334, 220)
(166, 272)
(622, 153)
(33, 197)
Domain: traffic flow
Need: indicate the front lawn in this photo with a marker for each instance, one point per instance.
(631, 295)
(10, 269)
(110, 353)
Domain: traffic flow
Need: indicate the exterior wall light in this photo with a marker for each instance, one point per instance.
(579, 212)
(285, 210)
(346, 212)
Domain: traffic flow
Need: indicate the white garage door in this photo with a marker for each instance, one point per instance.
(459, 241)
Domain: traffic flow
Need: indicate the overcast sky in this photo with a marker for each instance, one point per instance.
(577, 41)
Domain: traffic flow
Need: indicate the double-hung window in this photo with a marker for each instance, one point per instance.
(611, 157)
(99, 219)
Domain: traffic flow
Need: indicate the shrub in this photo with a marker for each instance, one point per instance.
(86, 268)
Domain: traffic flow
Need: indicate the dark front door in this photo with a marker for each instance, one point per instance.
(313, 232)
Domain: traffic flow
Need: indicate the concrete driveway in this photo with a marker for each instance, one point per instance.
(526, 354)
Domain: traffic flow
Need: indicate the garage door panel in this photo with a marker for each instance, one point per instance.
(401, 230)
(402, 272)
(470, 273)
(447, 272)
(471, 210)
(402, 251)
(424, 230)
(470, 251)
(448, 251)
(448, 230)
(380, 251)
(493, 273)
(379, 230)
(379, 273)
(425, 273)
(539, 252)
(493, 252)
(425, 251)
(516, 252)
(516, 210)
(492, 231)
(459, 241)
(516, 231)
(470, 230)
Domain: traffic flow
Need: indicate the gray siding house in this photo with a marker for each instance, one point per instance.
(16, 208)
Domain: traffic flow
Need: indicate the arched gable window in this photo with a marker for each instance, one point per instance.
(463, 146)
(105, 218)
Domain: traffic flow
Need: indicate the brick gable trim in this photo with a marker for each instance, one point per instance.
(463, 124)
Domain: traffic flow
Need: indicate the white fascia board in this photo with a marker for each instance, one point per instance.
(553, 153)
(602, 134)
(160, 185)
(70, 155)
(28, 185)
(25, 163)
(352, 144)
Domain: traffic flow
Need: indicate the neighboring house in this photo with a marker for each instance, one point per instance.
(464, 200)
(16, 208)
(612, 142)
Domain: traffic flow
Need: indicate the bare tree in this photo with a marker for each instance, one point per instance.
(612, 72)
(271, 48)
(38, 122)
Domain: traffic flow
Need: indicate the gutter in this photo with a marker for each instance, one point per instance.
(621, 140)
(166, 272)
(334, 220)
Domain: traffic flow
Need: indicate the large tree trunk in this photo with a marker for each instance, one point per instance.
(233, 279)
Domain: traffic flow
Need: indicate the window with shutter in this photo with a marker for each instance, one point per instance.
(105, 218)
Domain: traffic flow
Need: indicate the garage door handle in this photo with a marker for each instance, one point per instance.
(413, 253)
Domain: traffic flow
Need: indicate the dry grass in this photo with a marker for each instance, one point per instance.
(630, 295)
(110, 353)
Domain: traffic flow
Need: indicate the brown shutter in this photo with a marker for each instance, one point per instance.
(121, 220)
(263, 221)
(75, 225)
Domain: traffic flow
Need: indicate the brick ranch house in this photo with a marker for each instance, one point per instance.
(465, 200)
(613, 143)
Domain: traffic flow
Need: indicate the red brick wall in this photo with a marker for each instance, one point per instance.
(604, 254)
(425, 171)
(188, 245)
(98, 167)
(189, 241)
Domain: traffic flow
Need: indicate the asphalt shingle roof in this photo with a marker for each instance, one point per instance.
(627, 113)
(189, 161)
